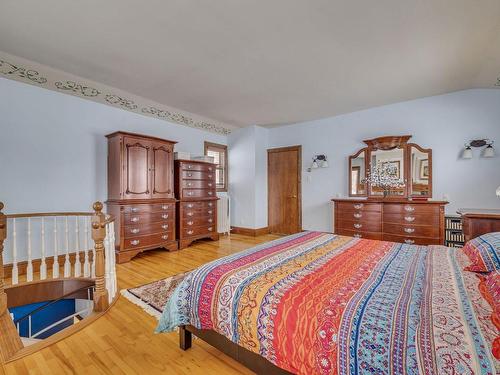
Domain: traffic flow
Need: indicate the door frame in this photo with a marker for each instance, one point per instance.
(297, 148)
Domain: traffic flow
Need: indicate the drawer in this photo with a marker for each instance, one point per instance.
(208, 167)
(198, 184)
(360, 234)
(198, 175)
(185, 214)
(198, 193)
(412, 230)
(145, 208)
(203, 205)
(199, 231)
(358, 225)
(153, 217)
(361, 216)
(359, 206)
(411, 218)
(412, 240)
(408, 208)
(197, 221)
(144, 241)
(148, 228)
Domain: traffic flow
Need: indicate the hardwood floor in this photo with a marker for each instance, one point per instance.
(123, 342)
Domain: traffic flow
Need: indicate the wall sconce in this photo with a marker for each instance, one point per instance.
(319, 161)
(488, 152)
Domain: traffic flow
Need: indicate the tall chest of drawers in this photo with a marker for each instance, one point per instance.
(141, 193)
(405, 221)
(197, 201)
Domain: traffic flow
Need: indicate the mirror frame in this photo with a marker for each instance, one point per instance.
(390, 143)
(351, 157)
(427, 151)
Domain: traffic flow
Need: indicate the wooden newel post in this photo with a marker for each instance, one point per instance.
(3, 236)
(98, 234)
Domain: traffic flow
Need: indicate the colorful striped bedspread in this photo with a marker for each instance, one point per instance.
(317, 303)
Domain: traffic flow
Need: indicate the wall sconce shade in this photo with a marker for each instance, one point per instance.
(488, 151)
(467, 153)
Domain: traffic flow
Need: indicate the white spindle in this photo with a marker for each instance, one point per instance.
(43, 265)
(78, 265)
(15, 271)
(107, 265)
(67, 264)
(29, 268)
(55, 266)
(112, 258)
(86, 265)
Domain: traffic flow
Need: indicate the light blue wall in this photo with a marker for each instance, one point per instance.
(53, 150)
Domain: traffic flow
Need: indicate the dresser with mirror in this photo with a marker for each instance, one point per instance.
(390, 194)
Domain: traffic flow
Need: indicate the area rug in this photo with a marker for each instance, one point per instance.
(152, 297)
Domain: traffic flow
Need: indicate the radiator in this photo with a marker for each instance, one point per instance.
(223, 221)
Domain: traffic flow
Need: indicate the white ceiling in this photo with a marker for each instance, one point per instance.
(263, 62)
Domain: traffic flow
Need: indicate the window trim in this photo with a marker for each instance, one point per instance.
(209, 145)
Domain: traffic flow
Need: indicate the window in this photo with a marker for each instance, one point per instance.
(219, 153)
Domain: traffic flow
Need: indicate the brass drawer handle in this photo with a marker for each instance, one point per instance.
(209, 176)
(210, 229)
(134, 209)
(357, 226)
(210, 212)
(190, 232)
(189, 184)
(190, 222)
(164, 237)
(210, 193)
(190, 166)
(190, 205)
(190, 193)
(164, 216)
(210, 169)
(409, 218)
(134, 219)
(164, 226)
(135, 242)
(190, 175)
(164, 207)
(210, 220)
(408, 241)
(209, 184)
(210, 204)
(134, 230)
(358, 206)
(409, 230)
(357, 235)
(190, 213)
(358, 216)
(409, 209)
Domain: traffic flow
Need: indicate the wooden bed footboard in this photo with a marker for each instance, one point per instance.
(252, 361)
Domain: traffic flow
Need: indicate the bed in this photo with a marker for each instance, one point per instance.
(319, 303)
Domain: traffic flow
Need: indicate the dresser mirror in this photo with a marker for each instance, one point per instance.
(357, 176)
(390, 167)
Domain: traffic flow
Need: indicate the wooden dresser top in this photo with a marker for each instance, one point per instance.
(388, 200)
(480, 212)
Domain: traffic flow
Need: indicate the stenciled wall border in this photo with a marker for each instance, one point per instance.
(105, 95)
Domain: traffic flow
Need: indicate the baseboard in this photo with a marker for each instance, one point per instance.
(249, 231)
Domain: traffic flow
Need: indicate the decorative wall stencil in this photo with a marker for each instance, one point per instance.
(11, 69)
(115, 99)
(77, 88)
(69, 84)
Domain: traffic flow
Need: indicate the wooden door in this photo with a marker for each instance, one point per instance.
(162, 170)
(137, 159)
(284, 189)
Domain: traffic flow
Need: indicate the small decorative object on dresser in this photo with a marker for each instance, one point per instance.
(393, 182)
(141, 193)
(477, 222)
(195, 188)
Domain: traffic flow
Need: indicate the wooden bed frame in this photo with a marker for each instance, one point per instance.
(252, 361)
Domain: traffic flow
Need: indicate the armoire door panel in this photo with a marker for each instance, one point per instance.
(162, 171)
(137, 168)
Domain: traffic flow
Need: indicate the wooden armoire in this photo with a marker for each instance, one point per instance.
(197, 206)
(141, 193)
